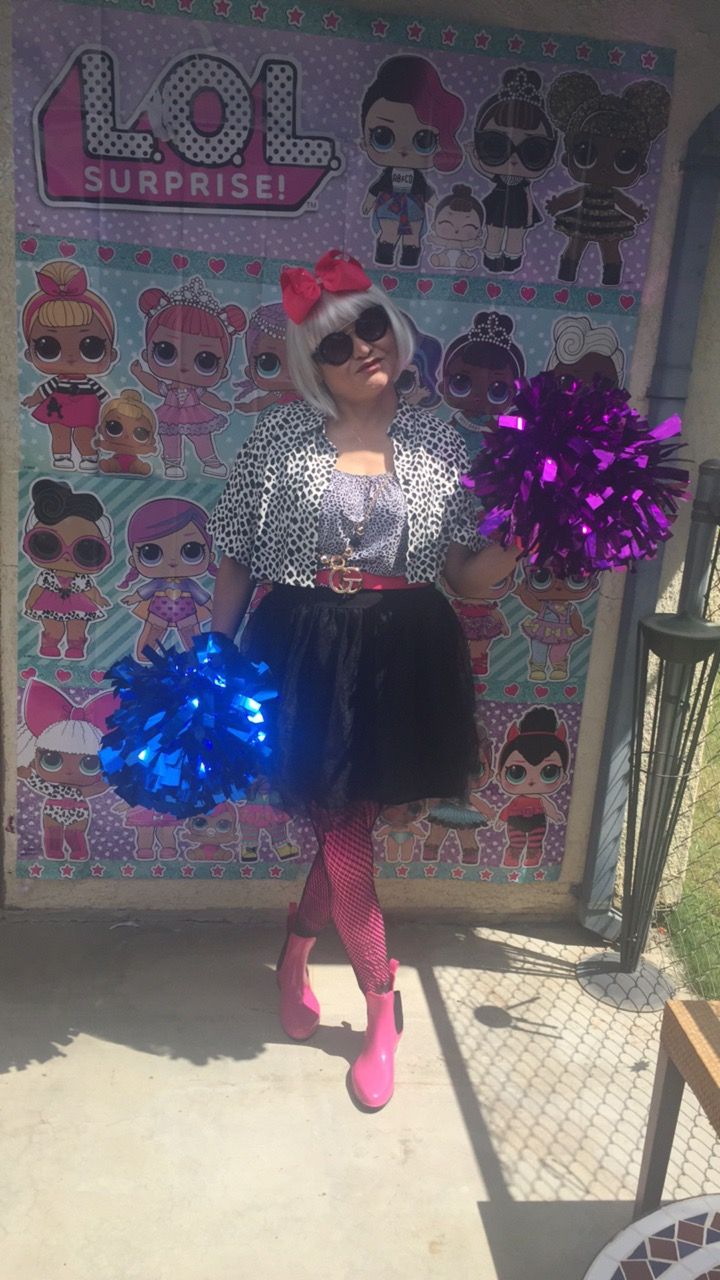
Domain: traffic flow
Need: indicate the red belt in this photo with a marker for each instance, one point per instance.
(346, 581)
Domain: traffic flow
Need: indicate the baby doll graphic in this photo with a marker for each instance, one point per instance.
(583, 352)
(483, 621)
(127, 432)
(478, 375)
(456, 230)
(262, 814)
(267, 379)
(211, 837)
(155, 833)
(409, 126)
(417, 383)
(170, 548)
(513, 145)
(533, 765)
(58, 758)
(398, 827)
(467, 818)
(68, 536)
(188, 343)
(607, 140)
(70, 336)
(555, 624)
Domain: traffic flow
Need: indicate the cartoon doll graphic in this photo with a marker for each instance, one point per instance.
(155, 833)
(513, 145)
(70, 335)
(211, 837)
(68, 537)
(397, 828)
(607, 140)
(457, 229)
(467, 818)
(555, 623)
(583, 352)
(533, 765)
(188, 343)
(262, 815)
(417, 383)
(267, 379)
(170, 548)
(58, 759)
(478, 375)
(483, 621)
(409, 126)
(126, 433)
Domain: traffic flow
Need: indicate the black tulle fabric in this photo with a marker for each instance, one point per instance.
(376, 695)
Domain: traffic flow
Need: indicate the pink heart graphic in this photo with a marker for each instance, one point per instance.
(481, 686)
(570, 690)
(216, 265)
(626, 301)
(67, 250)
(28, 673)
(424, 286)
(105, 252)
(29, 245)
(562, 295)
(493, 290)
(179, 261)
(143, 258)
(594, 299)
(527, 293)
(511, 690)
(460, 286)
(541, 690)
(253, 268)
(389, 283)
(97, 676)
(62, 675)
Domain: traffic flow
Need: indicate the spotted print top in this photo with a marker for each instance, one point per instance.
(268, 516)
(347, 499)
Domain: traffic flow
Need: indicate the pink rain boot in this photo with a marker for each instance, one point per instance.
(372, 1073)
(299, 1009)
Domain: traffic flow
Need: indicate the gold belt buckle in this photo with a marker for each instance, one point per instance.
(342, 577)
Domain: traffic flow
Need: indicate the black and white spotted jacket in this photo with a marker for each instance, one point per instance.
(268, 514)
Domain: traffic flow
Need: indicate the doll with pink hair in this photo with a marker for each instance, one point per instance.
(188, 344)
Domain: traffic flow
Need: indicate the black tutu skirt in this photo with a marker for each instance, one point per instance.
(375, 695)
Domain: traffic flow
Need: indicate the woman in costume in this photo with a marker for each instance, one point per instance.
(349, 502)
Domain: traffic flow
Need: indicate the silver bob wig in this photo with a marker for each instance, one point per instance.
(334, 311)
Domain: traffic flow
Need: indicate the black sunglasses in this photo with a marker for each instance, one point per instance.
(493, 148)
(336, 348)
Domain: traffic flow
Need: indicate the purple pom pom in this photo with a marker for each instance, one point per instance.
(578, 477)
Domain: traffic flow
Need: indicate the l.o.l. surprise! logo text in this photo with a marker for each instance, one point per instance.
(205, 138)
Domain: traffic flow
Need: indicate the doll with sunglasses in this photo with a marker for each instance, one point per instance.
(513, 145)
(409, 126)
(607, 140)
(70, 336)
(68, 537)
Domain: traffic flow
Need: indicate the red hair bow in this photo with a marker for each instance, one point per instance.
(75, 287)
(334, 272)
(45, 706)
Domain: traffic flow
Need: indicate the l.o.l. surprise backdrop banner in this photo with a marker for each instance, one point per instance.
(171, 157)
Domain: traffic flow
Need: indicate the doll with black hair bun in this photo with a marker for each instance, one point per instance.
(478, 375)
(532, 766)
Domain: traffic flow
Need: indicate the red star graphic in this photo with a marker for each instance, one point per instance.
(583, 52)
(185, 6)
(482, 40)
(539, 875)
(35, 869)
(516, 44)
(550, 48)
(258, 12)
(222, 8)
(648, 60)
(276, 872)
(97, 870)
(616, 56)
(449, 35)
(379, 28)
(188, 872)
(127, 869)
(217, 872)
(430, 871)
(457, 873)
(247, 872)
(513, 875)
(401, 871)
(414, 31)
(486, 874)
(158, 871)
(67, 871)
(331, 21)
(295, 16)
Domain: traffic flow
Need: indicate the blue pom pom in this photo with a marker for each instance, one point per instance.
(192, 729)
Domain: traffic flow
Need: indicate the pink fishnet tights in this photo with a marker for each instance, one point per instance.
(341, 888)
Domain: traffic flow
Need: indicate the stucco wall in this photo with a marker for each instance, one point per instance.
(693, 29)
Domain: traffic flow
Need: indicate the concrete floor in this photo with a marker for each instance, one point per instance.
(156, 1125)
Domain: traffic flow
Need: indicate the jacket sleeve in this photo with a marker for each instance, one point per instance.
(233, 523)
(462, 510)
